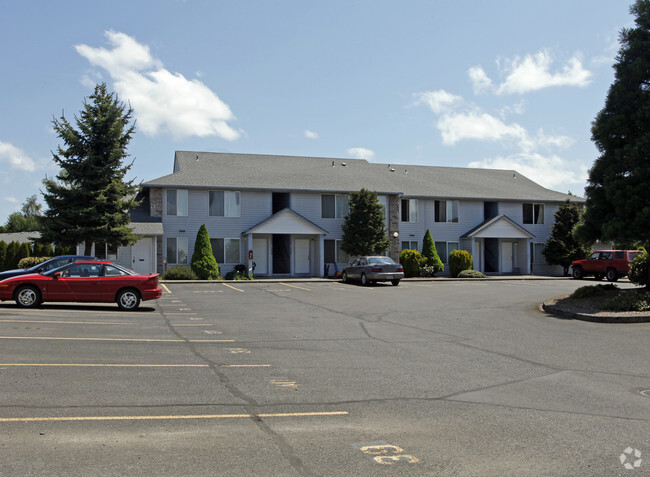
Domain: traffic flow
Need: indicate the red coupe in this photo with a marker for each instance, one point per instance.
(83, 281)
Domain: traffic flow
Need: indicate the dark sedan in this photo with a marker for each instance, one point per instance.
(51, 264)
(373, 269)
(83, 281)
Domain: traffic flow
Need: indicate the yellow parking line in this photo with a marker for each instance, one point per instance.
(143, 340)
(166, 289)
(173, 417)
(294, 286)
(230, 286)
(191, 324)
(100, 365)
(67, 322)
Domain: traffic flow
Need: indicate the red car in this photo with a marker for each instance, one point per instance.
(611, 264)
(83, 281)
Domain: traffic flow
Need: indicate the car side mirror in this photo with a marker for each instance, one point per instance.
(57, 275)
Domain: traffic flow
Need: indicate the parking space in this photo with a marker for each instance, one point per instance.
(321, 378)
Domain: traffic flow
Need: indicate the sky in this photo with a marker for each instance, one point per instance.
(506, 84)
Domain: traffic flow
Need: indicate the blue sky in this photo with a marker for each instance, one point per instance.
(505, 84)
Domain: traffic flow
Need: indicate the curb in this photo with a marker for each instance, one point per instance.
(602, 318)
(334, 280)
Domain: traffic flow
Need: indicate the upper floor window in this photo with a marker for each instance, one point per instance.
(446, 211)
(224, 203)
(334, 206)
(533, 213)
(177, 202)
(409, 210)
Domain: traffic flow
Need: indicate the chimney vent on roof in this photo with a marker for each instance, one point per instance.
(332, 163)
(343, 164)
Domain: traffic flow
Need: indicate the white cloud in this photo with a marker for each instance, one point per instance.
(481, 83)
(533, 73)
(311, 134)
(11, 199)
(477, 125)
(361, 153)
(550, 171)
(163, 102)
(438, 101)
(16, 158)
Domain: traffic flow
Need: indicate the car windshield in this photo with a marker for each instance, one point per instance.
(380, 261)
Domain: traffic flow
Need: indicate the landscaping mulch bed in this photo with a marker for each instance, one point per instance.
(589, 309)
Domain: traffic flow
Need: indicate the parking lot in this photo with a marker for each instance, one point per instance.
(324, 378)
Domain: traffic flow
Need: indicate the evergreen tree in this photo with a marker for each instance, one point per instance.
(203, 262)
(363, 230)
(3, 254)
(562, 248)
(431, 254)
(13, 249)
(618, 203)
(89, 201)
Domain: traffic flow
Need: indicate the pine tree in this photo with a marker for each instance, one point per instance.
(89, 201)
(431, 254)
(203, 262)
(562, 248)
(364, 232)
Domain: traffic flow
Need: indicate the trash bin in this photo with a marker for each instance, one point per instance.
(241, 269)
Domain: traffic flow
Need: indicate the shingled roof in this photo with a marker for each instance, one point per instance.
(336, 175)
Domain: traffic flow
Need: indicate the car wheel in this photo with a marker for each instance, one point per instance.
(28, 296)
(578, 273)
(611, 274)
(364, 280)
(395, 282)
(344, 277)
(599, 276)
(128, 300)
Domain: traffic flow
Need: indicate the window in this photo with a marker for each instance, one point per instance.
(383, 200)
(82, 270)
(334, 253)
(409, 210)
(177, 250)
(334, 206)
(226, 250)
(533, 213)
(444, 249)
(111, 271)
(224, 203)
(177, 202)
(446, 211)
(537, 255)
(105, 251)
(409, 245)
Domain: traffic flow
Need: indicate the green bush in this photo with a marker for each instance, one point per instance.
(203, 262)
(428, 271)
(471, 274)
(412, 261)
(639, 269)
(235, 275)
(459, 260)
(180, 273)
(29, 262)
(431, 254)
(593, 290)
(629, 300)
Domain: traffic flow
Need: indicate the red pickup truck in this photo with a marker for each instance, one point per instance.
(611, 264)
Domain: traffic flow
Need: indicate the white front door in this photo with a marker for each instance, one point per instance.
(301, 256)
(261, 256)
(142, 251)
(506, 257)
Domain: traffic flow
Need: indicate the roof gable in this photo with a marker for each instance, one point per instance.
(286, 222)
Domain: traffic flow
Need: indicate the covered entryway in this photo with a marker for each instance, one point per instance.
(286, 244)
(499, 246)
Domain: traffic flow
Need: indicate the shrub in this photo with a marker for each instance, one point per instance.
(203, 262)
(29, 262)
(593, 290)
(412, 261)
(459, 260)
(431, 254)
(471, 274)
(427, 271)
(235, 275)
(180, 273)
(639, 269)
(629, 300)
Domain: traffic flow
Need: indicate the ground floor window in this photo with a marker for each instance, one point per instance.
(177, 250)
(226, 250)
(444, 249)
(410, 245)
(334, 253)
(536, 254)
(105, 252)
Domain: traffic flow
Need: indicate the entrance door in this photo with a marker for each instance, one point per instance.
(261, 256)
(506, 257)
(142, 251)
(301, 256)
